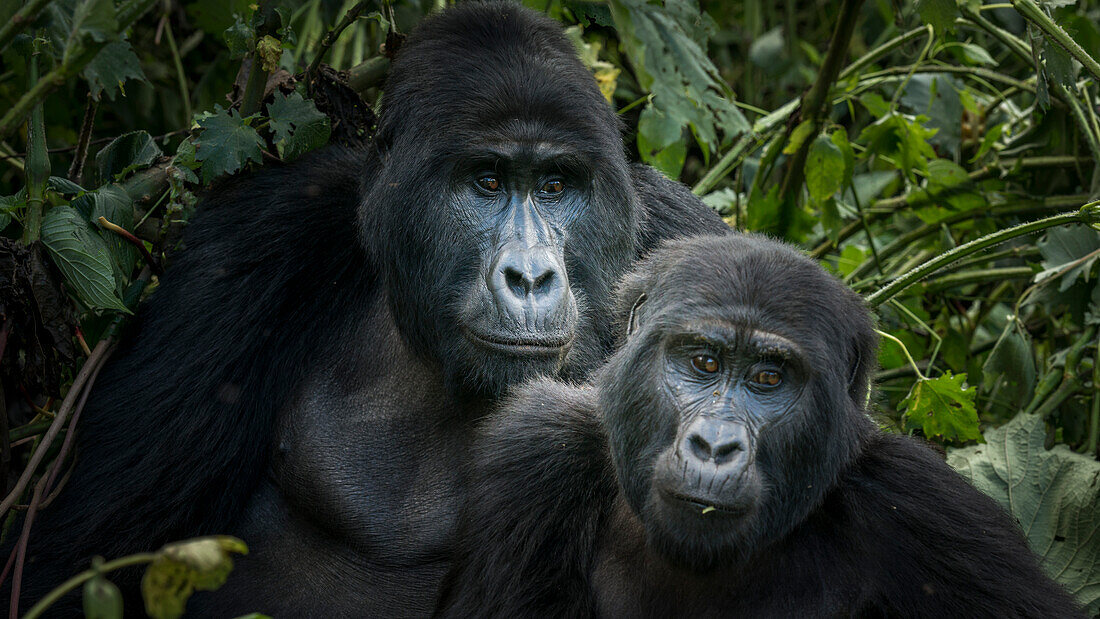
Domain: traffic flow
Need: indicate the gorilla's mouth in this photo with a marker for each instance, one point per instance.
(704, 505)
(543, 345)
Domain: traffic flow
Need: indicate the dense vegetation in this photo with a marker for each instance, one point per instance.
(942, 156)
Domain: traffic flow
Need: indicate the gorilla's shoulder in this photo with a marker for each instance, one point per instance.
(669, 210)
(547, 422)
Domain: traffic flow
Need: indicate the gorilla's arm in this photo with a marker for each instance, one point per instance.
(940, 547)
(539, 489)
(669, 210)
(176, 432)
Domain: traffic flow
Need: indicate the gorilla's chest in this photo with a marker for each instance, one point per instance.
(363, 493)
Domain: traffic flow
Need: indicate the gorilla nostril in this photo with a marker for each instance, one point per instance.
(516, 282)
(699, 446)
(542, 282)
(726, 452)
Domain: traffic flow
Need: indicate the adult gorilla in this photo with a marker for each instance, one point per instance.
(722, 465)
(307, 375)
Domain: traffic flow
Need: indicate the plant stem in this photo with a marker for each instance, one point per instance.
(76, 169)
(38, 161)
(23, 16)
(966, 249)
(330, 38)
(1094, 418)
(912, 363)
(79, 579)
(814, 108)
(69, 67)
(1055, 34)
(181, 77)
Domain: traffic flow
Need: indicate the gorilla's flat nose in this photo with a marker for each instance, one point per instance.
(529, 282)
(715, 440)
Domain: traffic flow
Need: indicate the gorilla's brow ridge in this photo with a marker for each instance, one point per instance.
(722, 334)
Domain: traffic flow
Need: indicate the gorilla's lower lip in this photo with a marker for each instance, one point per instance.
(704, 505)
(550, 345)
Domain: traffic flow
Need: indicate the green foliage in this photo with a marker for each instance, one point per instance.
(226, 143)
(182, 568)
(1053, 494)
(928, 139)
(83, 257)
(943, 408)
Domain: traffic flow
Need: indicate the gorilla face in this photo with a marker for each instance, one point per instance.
(503, 211)
(731, 406)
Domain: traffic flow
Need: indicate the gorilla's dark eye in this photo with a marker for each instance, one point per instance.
(553, 187)
(768, 378)
(489, 182)
(705, 364)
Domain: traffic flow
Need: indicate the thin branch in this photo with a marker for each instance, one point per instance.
(76, 170)
(24, 16)
(330, 38)
(814, 108)
(133, 240)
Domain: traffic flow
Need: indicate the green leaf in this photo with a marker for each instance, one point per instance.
(269, 49)
(238, 38)
(943, 408)
(1053, 494)
(800, 134)
(181, 568)
(95, 19)
(667, 46)
(63, 186)
(226, 143)
(113, 204)
(111, 68)
(125, 154)
(1010, 367)
(1063, 246)
(976, 55)
(940, 13)
(298, 126)
(83, 258)
(825, 168)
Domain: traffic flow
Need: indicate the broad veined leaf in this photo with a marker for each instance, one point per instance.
(1010, 367)
(83, 258)
(1054, 495)
(125, 154)
(943, 407)
(1064, 246)
(299, 127)
(111, 68)
(226, 144)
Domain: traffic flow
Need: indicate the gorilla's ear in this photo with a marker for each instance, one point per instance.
(863, 346)
(632, 318)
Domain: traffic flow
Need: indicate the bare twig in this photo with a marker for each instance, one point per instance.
(330, 38)
(76, 170)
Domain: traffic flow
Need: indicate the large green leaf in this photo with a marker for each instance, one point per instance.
(83, 258)
(299, 127)
(125, 154)
(1053, 494)
(226, 143)
(1070, 248)
(111, 68)
(943, 407)
(825, 168)
(667, 43)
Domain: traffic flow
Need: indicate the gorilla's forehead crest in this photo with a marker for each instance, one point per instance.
(746, 280)
(477, 67)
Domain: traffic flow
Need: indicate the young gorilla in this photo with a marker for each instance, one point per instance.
(722, 464)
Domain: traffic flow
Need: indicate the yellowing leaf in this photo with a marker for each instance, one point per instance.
(181, 568)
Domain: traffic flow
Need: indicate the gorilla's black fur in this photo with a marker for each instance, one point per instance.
(308, 371)
(722, 464)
